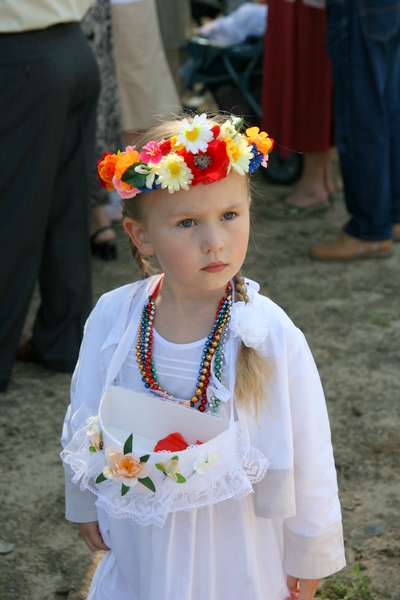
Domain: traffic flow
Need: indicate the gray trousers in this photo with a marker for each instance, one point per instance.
(48, 93)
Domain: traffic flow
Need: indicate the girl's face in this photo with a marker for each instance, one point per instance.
(199, 236)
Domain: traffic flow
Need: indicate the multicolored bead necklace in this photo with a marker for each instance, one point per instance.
(215, 344)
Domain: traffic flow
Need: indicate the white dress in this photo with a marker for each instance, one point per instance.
(222, 551)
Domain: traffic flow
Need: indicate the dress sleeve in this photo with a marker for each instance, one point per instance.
(313, 538)
(86, 391)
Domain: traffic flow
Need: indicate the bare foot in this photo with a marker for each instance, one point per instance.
(305, 197)
(99, 219)
(312, 188)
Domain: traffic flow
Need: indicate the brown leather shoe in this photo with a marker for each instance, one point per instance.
(346, 247)
(396, 232)
(25, 351)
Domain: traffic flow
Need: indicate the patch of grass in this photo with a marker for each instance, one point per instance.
(381, 320)
(347, 587)
(3, 577)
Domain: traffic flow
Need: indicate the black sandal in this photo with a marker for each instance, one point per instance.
(104, 250)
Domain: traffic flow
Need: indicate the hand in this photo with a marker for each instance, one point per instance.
(92, 536)
(301, 589)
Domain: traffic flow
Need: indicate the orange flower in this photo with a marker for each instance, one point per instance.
(106, 170)
(261, 139)
(125, 467)
(124, 161)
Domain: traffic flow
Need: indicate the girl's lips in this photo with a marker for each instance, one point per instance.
(214, 267)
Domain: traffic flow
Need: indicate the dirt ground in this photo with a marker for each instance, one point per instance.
(350, 314)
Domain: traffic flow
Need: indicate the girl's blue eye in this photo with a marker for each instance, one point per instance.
(186, 223)
(229, 216)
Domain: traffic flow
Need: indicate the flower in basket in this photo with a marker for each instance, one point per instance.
(92, 426)
(127, 468)
(174, 442)
(171, 470)
(96, 442)
(94, 434)
(201, 464)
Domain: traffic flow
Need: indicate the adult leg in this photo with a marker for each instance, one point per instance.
(31, 110)
(65, 271)
(361, 74)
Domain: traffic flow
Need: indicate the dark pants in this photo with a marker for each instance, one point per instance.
(364, 46)
(49, 88)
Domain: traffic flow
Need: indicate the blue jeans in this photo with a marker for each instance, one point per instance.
(363, 38)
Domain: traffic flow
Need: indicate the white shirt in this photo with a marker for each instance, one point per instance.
(27, 15)
(236, 549)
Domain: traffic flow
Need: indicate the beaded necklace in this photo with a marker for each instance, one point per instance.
(215, 344)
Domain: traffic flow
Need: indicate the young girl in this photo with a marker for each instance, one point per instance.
(238, 499)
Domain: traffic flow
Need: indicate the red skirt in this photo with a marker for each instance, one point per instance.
(297, 81)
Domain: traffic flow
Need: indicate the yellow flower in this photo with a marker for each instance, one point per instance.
(173, 173)
(261, 139)
(239, 152)
(175, 146)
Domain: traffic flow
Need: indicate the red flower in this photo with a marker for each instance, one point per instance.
(174, 442)
(165, 147)
(208, 166)
(216, 129)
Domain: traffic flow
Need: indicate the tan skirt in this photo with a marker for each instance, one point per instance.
(146, 87)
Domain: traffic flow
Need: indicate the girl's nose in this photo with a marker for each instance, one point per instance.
(212, 240)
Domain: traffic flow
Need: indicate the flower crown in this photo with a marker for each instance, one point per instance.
(202, 151)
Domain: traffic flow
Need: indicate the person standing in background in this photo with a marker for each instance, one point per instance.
(364, 46)
(175, 20)
(146, 86)
(48, 102)
(97, 27)
(297, 98)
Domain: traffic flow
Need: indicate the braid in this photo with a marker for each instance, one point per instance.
(253, 372)
(240, 288)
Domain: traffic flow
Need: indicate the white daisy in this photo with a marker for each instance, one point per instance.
(240, 154)
(195, 135)
(173, 172)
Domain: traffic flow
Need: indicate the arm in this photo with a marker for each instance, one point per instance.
(313, 538)
(92, 536)
(86, 391)
(301, 589)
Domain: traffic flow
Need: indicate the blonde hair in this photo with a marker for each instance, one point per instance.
(253, 372)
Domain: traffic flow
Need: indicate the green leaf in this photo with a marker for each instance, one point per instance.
(237, 122)
(147, 482)
(92, 449)
(161, 468)
(175, 458)
(101, 437)
(128, 445)
(135, 179)
(144, 458)
(101, 478)
(180, 478)
(124, 489)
